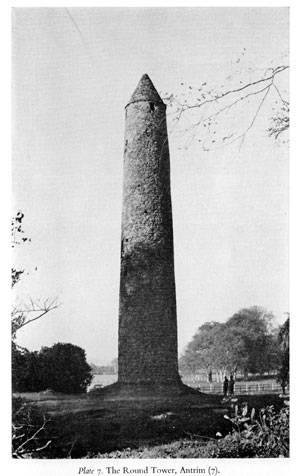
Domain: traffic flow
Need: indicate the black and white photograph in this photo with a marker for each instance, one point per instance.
(150, 308)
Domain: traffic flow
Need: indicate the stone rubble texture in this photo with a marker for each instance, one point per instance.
(147, 313)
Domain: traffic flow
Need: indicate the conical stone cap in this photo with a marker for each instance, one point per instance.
(145, 91)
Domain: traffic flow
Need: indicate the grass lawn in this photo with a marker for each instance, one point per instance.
(91, 425)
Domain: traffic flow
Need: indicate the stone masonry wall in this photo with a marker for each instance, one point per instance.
(147, 313)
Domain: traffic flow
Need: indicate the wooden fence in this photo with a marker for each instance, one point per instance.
(245, 388)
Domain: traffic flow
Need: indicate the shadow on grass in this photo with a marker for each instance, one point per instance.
(88, 424)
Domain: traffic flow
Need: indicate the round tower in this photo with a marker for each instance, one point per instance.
(147, 312)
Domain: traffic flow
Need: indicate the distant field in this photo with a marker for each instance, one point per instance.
(251, 387)
(267, 385)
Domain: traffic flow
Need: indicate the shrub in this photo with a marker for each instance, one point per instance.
(27, 374)
(61, 368)
(264, 437)
(65, 368)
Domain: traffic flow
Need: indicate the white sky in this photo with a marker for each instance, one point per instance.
(71, 82)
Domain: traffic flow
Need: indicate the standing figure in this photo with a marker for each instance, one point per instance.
(225, 386)
(231, 385)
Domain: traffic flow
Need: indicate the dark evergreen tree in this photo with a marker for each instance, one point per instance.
(65, 368)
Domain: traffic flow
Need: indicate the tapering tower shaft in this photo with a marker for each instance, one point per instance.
(147, 312)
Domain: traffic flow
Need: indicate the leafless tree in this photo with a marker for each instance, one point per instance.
(26, 313)
(23, 314)
(28, 427)
(218, 116)
(28, 437)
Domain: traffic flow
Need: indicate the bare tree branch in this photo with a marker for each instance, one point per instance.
(22, 449)
(223, 102)
(20, 316)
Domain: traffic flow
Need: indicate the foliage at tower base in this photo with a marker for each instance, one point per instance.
(247, 342)
(61, 368)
